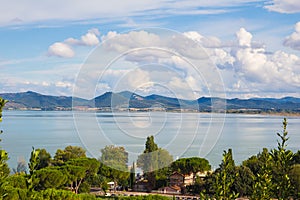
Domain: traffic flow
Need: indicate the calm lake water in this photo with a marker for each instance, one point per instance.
(182, 134)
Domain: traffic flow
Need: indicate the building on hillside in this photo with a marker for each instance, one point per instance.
(185, 179)
(170, 190)
(178, 179)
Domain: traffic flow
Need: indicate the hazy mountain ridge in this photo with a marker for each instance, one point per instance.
(128, 100)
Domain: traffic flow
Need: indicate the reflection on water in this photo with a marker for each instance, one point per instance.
(182, 134)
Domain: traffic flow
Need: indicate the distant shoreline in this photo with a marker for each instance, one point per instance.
(135, 110)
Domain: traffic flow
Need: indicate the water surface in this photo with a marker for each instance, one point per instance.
(182, 134)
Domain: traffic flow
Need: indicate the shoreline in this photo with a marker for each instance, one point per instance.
(240, 112)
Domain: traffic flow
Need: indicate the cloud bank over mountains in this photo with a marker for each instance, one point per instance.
(247, 67)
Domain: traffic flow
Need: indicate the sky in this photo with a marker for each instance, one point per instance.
(186, 48)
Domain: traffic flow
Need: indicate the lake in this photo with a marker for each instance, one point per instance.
(182, 134)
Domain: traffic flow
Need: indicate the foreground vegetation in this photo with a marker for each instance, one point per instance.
(70, 174)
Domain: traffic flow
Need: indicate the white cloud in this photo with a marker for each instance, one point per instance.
(90, 39)
(293, 40)
(134, 39)
(61, 50)
(244, 37)
(263, 72)
(284, 6)
(209, 42)
(43, 11)
(64, 49)
(246, 67)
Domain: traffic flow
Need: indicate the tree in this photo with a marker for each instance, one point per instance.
(132, 176)
(4, 169)
(17, 181)
(115, 157)
(114, 164)
(80, 169)
(44, 159)
(150, 145)
(296, 158)
(282, 159)
(2, 104)
(243, 183)
(295, 180)
(152, 160)
(255, 163)
(32, 165)
(263, 184)
(49, 177)
(75, 175)
(70, 152)
(225, 178)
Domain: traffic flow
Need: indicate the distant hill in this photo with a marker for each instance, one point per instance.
(128, 100)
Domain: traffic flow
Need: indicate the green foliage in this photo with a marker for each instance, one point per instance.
(296, 158)
(91, 165)
(51, 194)
(2, 104)
(282, 159)
(225, 178)
(80, 169)
(152, 161)
(255, 163)
(75, 175)
(150, 145)
(49, 177)
(114, 157)
(4, 169)
(263, 184)
(295, 180)
(17, 181)
(132, 175)
(191, 165)
(114, 164)
(145, 197)
(70, 152)
(44, 159)
(243, 183)
(84, 188)
(13, 193)
(34, 160)
(153, 158)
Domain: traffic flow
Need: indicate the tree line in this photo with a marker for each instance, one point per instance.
(70, 174)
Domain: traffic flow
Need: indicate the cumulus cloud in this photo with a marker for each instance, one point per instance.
(244, 37)
(246, 67)
(89, 39)
(284, 6)
(61, 50)
(208, 42)
(64, 49)
(262, 71)
(293, 40)
(134, 39)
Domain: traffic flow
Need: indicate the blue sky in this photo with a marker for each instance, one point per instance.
(84, 48)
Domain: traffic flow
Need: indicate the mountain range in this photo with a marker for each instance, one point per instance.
(128, 100)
